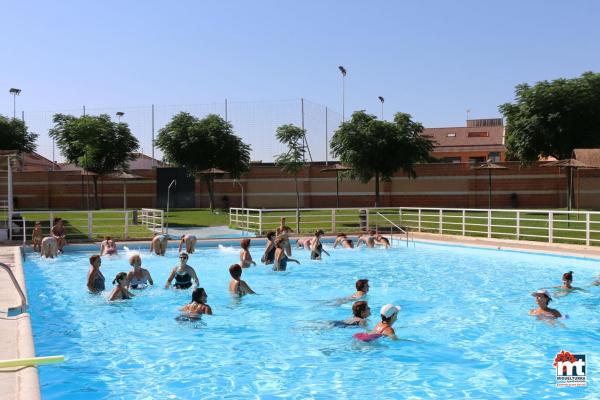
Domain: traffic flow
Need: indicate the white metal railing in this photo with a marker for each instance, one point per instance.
(23, 307)
(82, 225)
(577, 227)
(392, 226)
(152, 219)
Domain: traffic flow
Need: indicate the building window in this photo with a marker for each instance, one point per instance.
(479, 134)
(476, 160)
(451, 160)
(494, 156)
(451, 134)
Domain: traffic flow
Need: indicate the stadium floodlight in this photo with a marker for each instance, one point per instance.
(382, 100)
(15, 92)
(343, 71)
(120, 114)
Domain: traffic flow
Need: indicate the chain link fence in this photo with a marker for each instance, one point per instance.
(254, 121)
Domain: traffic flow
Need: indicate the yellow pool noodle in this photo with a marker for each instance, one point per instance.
(23, 362)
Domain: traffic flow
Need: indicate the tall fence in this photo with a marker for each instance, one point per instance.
(255, 122)
(89, 225)
(551, 226)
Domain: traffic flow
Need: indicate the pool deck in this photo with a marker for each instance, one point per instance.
(16, 338)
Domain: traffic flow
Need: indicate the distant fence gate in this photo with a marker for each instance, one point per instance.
(551, 226)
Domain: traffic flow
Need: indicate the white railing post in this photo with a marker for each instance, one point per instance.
(440, 222)
(230, 224)
(419, 221)
(126, 224)
(463, 222)
(333, 220)
(400, 214)
(367, 219)
(587, 228)
(260, 223)
(489, 224)
(518, 225)
(550, 227)
(24, 232)
(51, 216)
(90, 224)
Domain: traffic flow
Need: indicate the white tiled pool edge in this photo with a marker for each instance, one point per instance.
(16, 336)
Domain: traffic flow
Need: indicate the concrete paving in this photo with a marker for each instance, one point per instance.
(16, 339)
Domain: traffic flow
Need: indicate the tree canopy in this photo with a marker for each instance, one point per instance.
(292, 161)
(200, 144)
(14, 135)
(94, 143)
(553, 118)
(377, 149)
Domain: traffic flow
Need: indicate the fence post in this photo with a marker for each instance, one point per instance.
(333, 220)
(400, 215)
(126, 224)
(440, 222)
(247, 219)
(162, 221)
(51, 215)
(260, 223)
(90, 224)
(24, 232)
(230, 224)
(587, 228)
(550, 227)
(489, 224)
(419, 221)
(518, 225)
(463, 222)
(367, 219)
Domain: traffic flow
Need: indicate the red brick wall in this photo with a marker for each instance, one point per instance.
(437, 185)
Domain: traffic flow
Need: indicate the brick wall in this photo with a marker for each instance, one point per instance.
(437, 185)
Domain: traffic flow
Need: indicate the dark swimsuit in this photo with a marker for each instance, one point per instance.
(183, 281)
(282, 263)
(316, 254)
(98, 282)
(270, 258)
(344, 324)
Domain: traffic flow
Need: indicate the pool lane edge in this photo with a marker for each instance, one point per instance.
(16, 334)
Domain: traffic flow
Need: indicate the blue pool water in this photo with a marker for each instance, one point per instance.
(464, 323)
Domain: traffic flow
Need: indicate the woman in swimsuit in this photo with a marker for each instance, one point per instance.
(360, 312)
(362, 288)
(37, 236)
(95, 279)
(344, 241)
(269, 254)
(190, 243)
(245, 256)
(281, 259)
(49, 247)
(120, 291)
(283, 231)
(59, 233)
(108, 246)
(304, 243)
(542, 298)
(382, 241)
(183, 274)
(159, 244)
(566, 287)
(316, 247)
(198, 305)
(138, 277)
(368, 239)
(236, 284)
(389, 315)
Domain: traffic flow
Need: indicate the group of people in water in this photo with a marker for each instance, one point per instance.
(277, 252)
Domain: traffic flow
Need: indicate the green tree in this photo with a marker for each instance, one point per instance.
(14, 135)
(200, 144)
(377, 149)
(94, 143)
(292, 161)
(553, 118)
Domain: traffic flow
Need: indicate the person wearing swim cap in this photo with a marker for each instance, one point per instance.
(542, 298)
(389, 315)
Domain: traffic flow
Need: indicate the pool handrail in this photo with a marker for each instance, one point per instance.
(397, 227)
(23, 307)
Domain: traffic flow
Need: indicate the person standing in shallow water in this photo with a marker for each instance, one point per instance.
(237, 285)
(542, 298)
(269, 253)
(95, 279)
(281, 259)
(183, 274)
(245, 256)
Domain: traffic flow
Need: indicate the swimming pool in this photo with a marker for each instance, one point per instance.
(464, 320)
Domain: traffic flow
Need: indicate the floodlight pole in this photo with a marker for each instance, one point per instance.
(381, 99)
(15, 92)
(153, 135)
(326, 139)
(343, 71)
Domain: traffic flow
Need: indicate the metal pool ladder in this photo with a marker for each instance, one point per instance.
(402, 230)
(14, 311)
